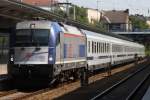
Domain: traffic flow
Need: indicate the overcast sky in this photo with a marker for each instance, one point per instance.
(135, 6)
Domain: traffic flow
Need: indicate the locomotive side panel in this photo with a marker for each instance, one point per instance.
(74, 48)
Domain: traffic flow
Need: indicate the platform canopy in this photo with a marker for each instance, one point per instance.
(12, 11)
(20, 11)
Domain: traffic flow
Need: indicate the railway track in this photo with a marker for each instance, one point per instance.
(4, 93)
(55, 94)
(126, 88)
(134, 92)
(17, 95)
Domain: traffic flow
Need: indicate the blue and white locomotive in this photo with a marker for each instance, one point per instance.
(52, 50)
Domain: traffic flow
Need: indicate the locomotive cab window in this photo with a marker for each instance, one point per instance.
(32, 37)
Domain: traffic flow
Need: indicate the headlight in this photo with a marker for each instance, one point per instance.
(50, 58)
(11, 58)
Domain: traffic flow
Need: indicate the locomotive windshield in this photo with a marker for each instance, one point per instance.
(32, 37)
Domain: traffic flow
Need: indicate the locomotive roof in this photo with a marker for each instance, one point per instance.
(71, 30)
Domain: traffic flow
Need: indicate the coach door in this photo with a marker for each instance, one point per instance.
(4, 48)
(111, 55)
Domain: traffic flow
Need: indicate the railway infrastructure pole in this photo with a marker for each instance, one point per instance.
(136, 60)
(108, 70)
(84, 80)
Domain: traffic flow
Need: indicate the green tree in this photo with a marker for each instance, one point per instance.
(138, 22)
(99, 25)
(81, 14)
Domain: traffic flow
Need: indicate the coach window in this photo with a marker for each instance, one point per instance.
(98, 47)
(113, 49)
(108, 47)
(105, 47)
(89, 46)
(101, 47)
(92, 46)
(95, 47)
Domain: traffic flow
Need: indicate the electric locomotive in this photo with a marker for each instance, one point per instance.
(47, 50)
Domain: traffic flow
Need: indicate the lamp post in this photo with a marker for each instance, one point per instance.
(67, 9)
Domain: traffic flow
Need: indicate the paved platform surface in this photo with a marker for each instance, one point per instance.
(3, 69)
(147, 95)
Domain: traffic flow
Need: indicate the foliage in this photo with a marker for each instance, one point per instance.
(80, 14)
(138, 22)
(99, 25)
(147, 52)
(3, 40)
(60, 12)
(147, 49)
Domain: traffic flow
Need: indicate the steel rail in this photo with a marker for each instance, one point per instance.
(131, 95)
(8, 93)
(117, 84)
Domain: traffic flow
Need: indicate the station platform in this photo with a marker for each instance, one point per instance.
(3, 69)
(147, 95)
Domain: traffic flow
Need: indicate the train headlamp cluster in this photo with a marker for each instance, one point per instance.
(11, 58)
(50, 58)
